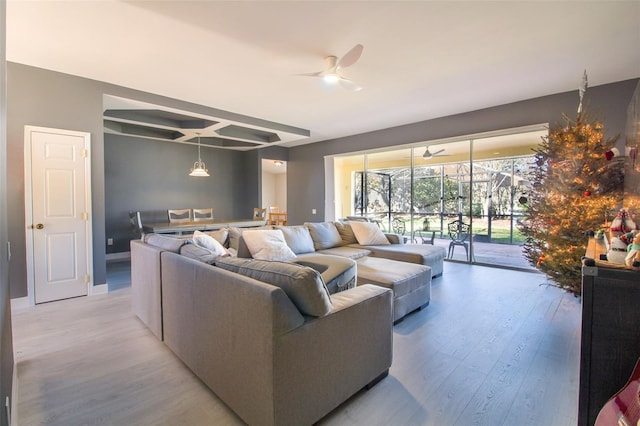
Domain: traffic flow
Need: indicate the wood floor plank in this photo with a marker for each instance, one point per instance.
(492, 348)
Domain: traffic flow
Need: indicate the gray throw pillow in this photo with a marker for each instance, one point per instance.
(298, 238)
(346, 233)
(324, 235)
(303, 285)
(198, 253)
(164, 242)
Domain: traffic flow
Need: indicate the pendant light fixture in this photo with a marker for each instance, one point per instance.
(199, 168)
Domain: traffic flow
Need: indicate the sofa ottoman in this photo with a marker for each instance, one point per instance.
(422, 254)
(410, 282)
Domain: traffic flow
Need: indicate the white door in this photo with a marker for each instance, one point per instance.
(57, 215)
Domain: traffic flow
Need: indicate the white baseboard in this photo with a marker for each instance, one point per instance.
(124, 255)
(19, 303)
(98, 289)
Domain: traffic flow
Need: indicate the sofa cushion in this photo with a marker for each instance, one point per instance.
(298, 238)
(346, 233)
(302, 284)
(349, 252)
(267, 244)
(368, 233)
(324, 235)
(208, 242)
(338, 273)
(198, 253)
(164, 242)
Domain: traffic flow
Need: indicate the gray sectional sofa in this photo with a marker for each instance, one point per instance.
(281, 342)
(276, 355)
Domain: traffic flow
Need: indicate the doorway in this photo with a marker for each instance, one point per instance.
(274, 184)
(58, 213)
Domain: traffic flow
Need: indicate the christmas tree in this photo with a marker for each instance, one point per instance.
(575, 186)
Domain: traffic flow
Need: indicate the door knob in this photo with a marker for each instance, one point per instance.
(39, 226)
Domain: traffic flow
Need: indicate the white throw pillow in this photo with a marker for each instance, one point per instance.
(267, 245)
(368, 233)
(204, 240)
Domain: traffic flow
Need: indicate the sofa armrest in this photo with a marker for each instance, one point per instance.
(326, 360)
(394, 238)
(146, 295)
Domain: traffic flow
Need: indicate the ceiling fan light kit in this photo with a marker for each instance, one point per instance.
(331, 75)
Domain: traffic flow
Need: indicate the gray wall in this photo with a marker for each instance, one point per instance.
(305, 170)
(6, 338)
(145, 174)
(45, 98)
(50, 99)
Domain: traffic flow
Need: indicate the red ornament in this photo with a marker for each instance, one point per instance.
(587, 193)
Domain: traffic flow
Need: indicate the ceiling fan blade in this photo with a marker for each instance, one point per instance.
(351, 57)
(428, 154)
(350, 85)
(312, 74)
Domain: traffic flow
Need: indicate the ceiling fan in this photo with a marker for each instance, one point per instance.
(331, 74)
(428, 154)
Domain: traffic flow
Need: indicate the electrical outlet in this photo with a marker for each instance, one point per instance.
(109, 241)
(313, 211)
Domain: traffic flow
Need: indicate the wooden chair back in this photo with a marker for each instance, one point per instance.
(202, 214)
(259, 214)
(179, 215)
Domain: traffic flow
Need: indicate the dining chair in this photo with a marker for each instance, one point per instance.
(259, 214)
(274, 209)
(202, 214)
(179, 215)
(136, 224)
(278, 218)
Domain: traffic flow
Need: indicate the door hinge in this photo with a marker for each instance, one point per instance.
(84, 216)
(87, 279)
(85, 153)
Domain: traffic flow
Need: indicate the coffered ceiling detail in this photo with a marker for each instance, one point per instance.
(137, 119)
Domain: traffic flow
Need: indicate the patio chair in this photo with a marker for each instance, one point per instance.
(459, 234)
(398, 225)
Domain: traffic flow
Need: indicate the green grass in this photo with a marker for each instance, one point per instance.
(499, 234)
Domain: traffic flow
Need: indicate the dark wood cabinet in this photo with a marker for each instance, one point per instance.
(610, 343)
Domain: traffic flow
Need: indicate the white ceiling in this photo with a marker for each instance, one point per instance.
(421, 59)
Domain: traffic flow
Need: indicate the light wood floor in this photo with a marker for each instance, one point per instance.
(494, 347)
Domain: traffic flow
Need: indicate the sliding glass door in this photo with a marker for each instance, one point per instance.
(467, 196)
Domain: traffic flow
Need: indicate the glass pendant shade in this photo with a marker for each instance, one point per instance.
(199, 169)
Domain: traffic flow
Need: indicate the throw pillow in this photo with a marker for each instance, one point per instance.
(220, 235)
(368, 233)
(298, 238)
(234, 237)
(164, 242)
(198, 253)
(267, 245)
(324, 235)
(346, 233)
(303, 285)
(202, 239)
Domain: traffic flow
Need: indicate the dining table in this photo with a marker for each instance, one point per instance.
(189, 227)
